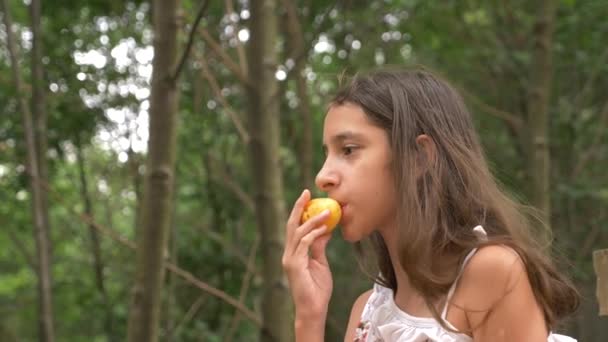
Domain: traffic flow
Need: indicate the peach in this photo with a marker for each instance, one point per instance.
(317, 205)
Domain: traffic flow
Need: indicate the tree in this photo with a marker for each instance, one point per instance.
(97, 60)
(295, 37)
(159, 177)
(34, 125)
(98, 265)
(541, 70)
(263, 123)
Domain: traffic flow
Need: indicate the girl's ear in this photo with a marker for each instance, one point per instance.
(427, 152)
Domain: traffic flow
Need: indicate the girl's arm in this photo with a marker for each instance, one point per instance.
(355, 316)
(307, 269)
(500, 302)
(310, 328)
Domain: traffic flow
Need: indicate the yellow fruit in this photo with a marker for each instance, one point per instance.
(315, 206)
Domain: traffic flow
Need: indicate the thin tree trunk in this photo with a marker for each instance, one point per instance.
(39, 106)
(43, 247)
(40, 117)
(98, 265)
(296, 38)
(538, 108)
(133, 164)
(239, 47)
(160, 169)
(169, 313)
(263, 120)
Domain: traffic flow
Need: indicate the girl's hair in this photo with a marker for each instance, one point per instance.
(437, 209)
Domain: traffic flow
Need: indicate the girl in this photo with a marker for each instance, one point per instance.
(455, 255)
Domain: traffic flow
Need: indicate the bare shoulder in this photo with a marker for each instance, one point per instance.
(490, 274)
(494, 291)
(355, 315)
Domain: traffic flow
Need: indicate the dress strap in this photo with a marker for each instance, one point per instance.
(481, 235)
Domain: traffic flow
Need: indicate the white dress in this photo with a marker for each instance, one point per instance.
(383, 321)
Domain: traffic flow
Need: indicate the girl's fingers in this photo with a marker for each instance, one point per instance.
(294, 221)
(312, 223)
(298, 245)
(296, 212)
(300, 232)
(307, 240)
(317, 249)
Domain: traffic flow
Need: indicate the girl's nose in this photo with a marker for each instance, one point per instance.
(326, 179)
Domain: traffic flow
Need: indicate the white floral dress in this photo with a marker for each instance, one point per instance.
(383, 321)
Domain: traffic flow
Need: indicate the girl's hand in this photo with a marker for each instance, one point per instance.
(305, 262)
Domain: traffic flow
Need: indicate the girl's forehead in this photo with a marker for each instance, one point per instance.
(348, 121)
(345, 115)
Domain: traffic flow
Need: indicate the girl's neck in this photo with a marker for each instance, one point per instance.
(406, 297)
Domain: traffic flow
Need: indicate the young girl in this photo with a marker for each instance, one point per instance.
(455, 255)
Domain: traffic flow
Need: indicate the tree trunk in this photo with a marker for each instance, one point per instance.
(37, 191)
(39, 106)
(296, 39)
(95, 245)
(144, 313)
(171, 298)
(263, 121)
(39, 115)
(133, 165)
(538, 109)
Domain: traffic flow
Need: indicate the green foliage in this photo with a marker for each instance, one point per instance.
(484, 47)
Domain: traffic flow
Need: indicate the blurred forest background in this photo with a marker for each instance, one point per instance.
(144, 183)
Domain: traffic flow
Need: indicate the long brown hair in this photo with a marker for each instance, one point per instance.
(438, 209)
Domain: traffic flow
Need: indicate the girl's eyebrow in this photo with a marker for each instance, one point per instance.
(346, 135)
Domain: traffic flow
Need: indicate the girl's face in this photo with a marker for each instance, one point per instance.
(357, 171)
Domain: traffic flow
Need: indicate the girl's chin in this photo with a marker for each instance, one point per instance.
(349, 235)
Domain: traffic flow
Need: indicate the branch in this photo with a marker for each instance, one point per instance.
(304, 145)
(230, 248)
(239, 47)
(598, 67)
(252, 316)
(187, 276)
(512, 68)
(586, 157)
(587, 245)
(17, 81)
(234, 117)
(182, 61)
(226, 60)
(294, 29)
(297, 56)
(193, 310)
(231, 184)
(244, 289)
(511, 119)
(23, 250)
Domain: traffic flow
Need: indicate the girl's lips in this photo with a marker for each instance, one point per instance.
(342, 206)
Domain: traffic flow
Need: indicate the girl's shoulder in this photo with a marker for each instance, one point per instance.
(498, 296)
(355, 315)
(491, 273)
(494, 290)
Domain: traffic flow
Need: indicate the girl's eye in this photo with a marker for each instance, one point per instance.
(348, 150)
